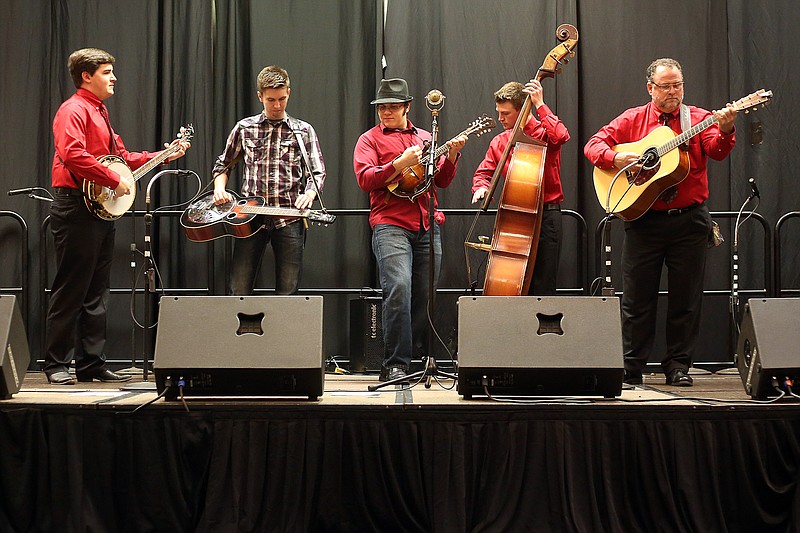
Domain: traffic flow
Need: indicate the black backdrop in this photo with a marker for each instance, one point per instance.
(180, 62)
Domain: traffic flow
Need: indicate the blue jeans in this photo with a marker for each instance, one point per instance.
(403, 258)
(287, 247)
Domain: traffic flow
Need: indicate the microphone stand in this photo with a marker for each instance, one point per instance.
(607, 284)
(430, 369)
(149, 270)
(734, 300)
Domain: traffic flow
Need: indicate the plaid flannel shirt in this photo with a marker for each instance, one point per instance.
(273, 162)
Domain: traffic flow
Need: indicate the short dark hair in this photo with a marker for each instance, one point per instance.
(511, 92)
(662, 62)
(86, 60)
(272, 77)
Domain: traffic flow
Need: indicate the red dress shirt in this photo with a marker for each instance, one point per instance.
(634, 124)
(549, 129)
(81, 135)
(372, 163)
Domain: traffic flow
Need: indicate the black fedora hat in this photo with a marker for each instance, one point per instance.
(393, 91)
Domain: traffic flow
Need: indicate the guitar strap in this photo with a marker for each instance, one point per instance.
(307, 162)
(686, 124)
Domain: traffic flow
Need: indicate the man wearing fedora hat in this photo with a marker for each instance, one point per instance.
(400, 227)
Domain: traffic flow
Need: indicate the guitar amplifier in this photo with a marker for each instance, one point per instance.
(366, 334)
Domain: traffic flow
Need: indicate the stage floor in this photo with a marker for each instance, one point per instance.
(723, 388)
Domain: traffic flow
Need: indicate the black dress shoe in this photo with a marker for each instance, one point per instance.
(679, 378)
(633, 378)
(104, 375)
(61, 378)
(396, 372)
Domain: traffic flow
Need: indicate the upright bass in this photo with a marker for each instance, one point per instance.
(512, 252)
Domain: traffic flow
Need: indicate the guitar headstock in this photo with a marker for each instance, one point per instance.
(185, 133)
(321, 217)
(480, 125)
(759, 98)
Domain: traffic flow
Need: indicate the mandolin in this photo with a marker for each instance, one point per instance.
(413, 182)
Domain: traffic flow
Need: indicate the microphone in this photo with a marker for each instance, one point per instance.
(29, 190)
(751, 181)
(435, 98)
(648, 159)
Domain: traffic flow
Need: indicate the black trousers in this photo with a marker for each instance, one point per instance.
(76, 317)
(545, 271)
(651, 242)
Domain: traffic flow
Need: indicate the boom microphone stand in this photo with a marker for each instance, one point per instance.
(435, 102)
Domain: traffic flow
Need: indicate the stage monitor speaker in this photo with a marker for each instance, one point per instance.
(239, 346)
(366, 334)
(768, 350)
(539, 346)
(16, 355)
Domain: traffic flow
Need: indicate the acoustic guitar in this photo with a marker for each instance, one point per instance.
(103, 202)
(661, 167)
(203, 220)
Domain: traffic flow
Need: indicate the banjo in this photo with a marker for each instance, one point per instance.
(103, 202)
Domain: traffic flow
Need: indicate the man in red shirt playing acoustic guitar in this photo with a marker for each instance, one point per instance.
(673, 231)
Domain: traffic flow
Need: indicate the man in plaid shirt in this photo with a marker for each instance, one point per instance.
(273, 168)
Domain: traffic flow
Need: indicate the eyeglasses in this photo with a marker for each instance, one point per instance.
(390, 107)
(667, 86)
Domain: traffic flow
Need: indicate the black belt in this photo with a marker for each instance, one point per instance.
(677, 211)
(552, 207)
(67, 191)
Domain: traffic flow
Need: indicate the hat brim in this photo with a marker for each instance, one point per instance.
(392, 100)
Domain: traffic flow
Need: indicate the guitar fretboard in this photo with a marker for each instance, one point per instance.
(274, 211)
(153, 163)
(686, 135)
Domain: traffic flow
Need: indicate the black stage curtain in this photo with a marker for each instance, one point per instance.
(353, 470)
(181, 62)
